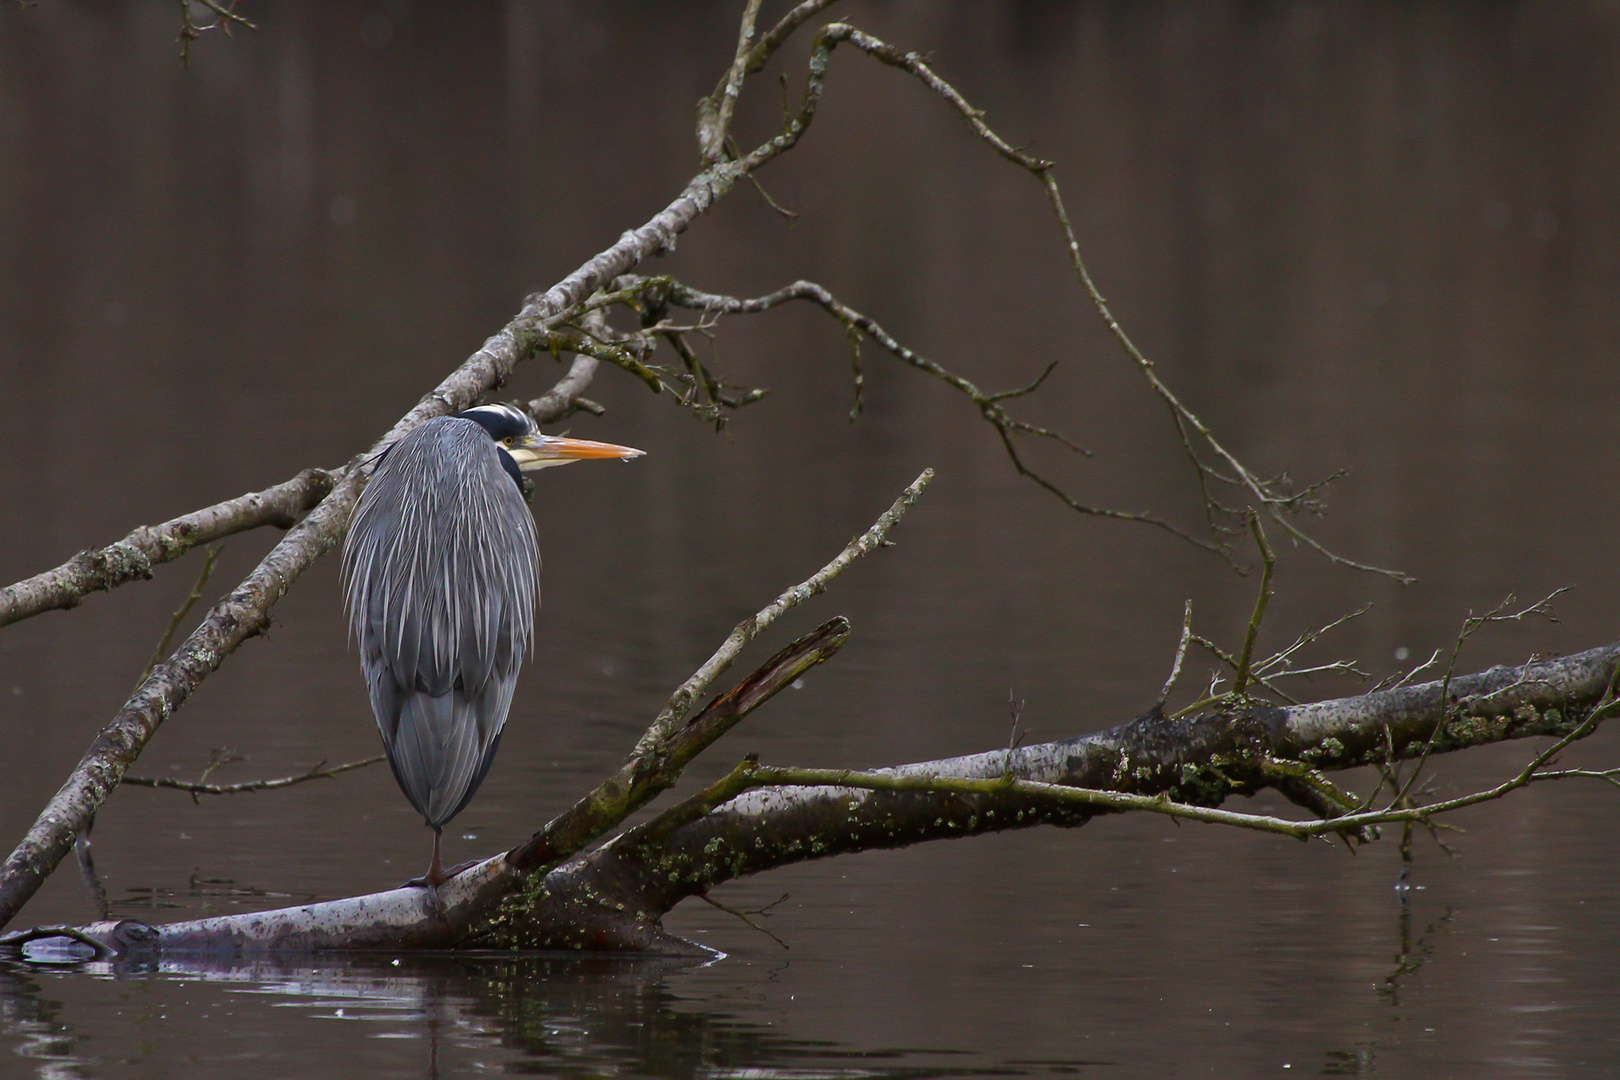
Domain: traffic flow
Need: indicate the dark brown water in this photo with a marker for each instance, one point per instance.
(1381, 236)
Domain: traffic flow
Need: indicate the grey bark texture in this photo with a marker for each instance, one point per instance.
(133, 557)
(613, 897)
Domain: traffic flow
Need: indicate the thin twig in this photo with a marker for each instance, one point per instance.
(759, 188)
(1181, 653)
(715, 111)
(220, 757)
(190, 30)
(82, 847)
(1278, 504)
(744, 915)
(680, 703)
(319, 772)
(1471, 625)
(1231, 662)
(857, 325)
(210, 556)
(1281, 658)
(1240, 681)
(1015, 733)
(1404, 679)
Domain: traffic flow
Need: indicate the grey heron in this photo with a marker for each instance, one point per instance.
(440, 575)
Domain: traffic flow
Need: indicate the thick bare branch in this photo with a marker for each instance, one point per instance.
(149, 546)
(612, 897)
(469, 902)
(1194, 763)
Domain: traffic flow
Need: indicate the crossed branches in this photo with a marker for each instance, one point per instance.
(570, 317)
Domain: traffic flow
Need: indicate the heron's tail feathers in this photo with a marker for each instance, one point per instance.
(442, 746)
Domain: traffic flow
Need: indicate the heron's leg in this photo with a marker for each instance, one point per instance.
(435, 874)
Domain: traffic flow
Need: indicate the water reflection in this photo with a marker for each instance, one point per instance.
(32, 1025)
(1380, 236)
(444, 1015)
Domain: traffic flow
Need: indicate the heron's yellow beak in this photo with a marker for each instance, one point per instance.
(543, 451)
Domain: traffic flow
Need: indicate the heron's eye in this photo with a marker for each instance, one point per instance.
(509, 440)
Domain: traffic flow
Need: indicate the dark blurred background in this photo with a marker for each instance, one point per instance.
(1379, 236)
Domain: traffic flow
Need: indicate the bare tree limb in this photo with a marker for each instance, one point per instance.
(715, 112)
(566, 397)
(613, 897)
(777, 35)
(210, 557)
(750, 774)
(1277, 503)
(857, 325)
(1178, 767)
(675, 710)
(136, 555)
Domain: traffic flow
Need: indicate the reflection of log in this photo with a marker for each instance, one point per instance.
(615, 1009)
(614, 897)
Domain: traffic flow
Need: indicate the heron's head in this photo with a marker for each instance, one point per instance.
(518, 437)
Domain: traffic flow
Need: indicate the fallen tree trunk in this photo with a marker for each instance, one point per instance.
(614, 897)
